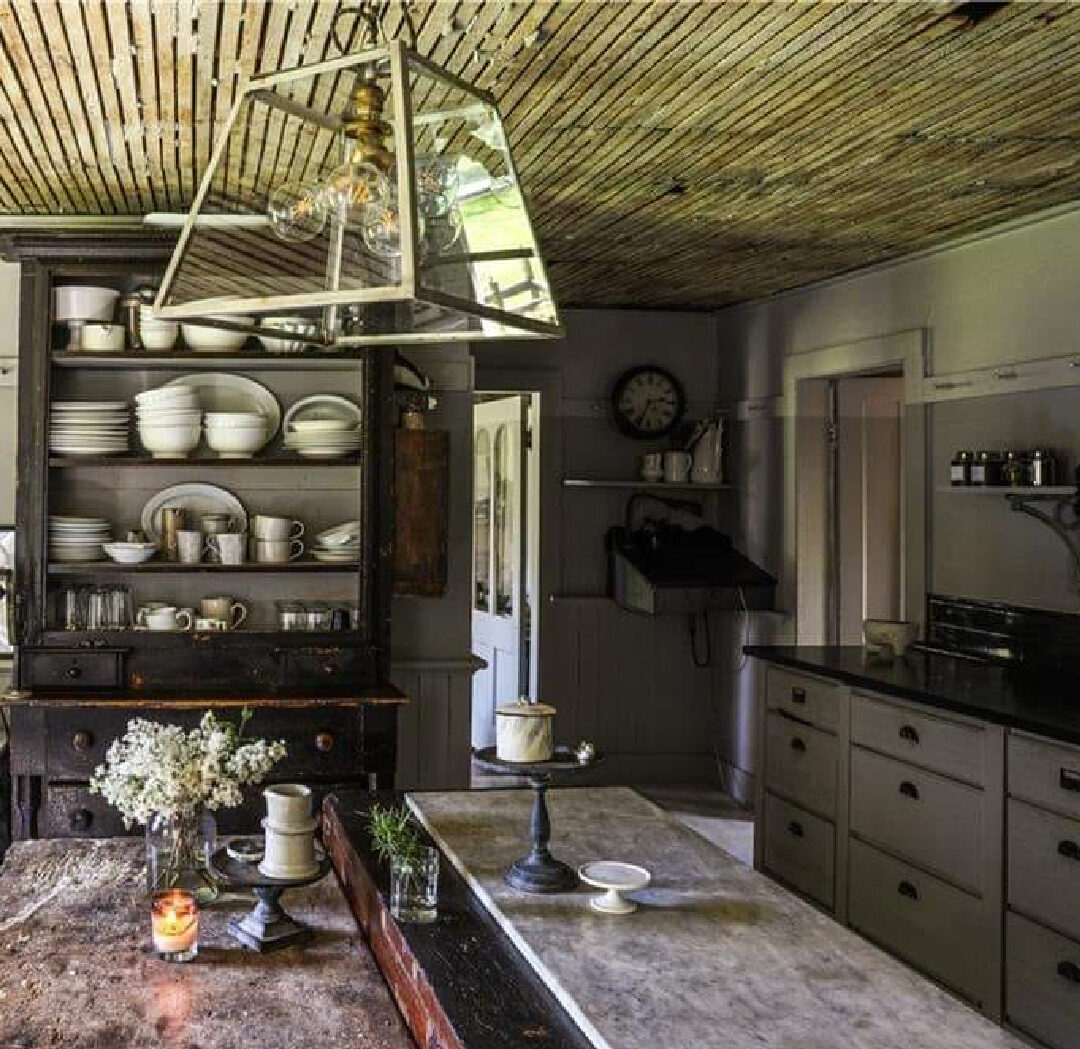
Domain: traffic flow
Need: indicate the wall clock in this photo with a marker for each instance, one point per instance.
(648, 402)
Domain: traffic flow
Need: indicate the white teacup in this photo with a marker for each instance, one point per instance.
(288, 806)
(189, 546)
(652, 466)
(677, 467)
(167, 618)
(228, 547)
(263, 527)
(277, 551)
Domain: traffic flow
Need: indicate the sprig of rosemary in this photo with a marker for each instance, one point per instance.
(393, 833)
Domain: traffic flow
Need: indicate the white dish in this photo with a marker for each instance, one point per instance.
(332, 557)
(230, 419)
(304, 426)
(616, 877)
(89, 450)
(339, 535)
(221, 392)
(204, 339)
(322, 453)
(235, 442)
(197, 499)
(175, 391)
(324, 406)
(98, 337)
(297, 327)
(80, 302)
(89, 406)
(130, 553)
(77, 554)
(170, 441)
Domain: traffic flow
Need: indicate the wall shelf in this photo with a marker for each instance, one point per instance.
(650, 486)
(347, 360)
(70, 461)
(1043, 490)
(175, 568)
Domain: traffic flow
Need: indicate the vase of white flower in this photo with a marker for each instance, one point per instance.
(172, 781)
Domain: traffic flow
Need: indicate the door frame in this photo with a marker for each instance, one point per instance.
(907, 350)
(547, 383)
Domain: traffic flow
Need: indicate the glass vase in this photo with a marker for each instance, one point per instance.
(414, 886)
(178, 850)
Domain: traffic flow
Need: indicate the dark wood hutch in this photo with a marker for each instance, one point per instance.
(325, 693)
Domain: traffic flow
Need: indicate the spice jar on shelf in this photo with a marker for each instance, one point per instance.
(960, 468)
(1015, 470)
(1043, 468)
(986, 468)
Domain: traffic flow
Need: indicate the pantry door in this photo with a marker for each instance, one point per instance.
(498, 608)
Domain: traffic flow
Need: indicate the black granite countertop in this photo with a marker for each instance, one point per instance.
(1048, 705)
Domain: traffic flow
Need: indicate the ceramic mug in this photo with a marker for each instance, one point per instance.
(677, 467)
(288, 806)
(167, 618)
(228, 547)
(277, 551)
(652, 466)
(279, 528)
(189, 546)
(221, 607)
(289, 853)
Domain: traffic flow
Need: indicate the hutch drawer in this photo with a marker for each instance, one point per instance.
(1042, 983)
(71, 668)
(1044, 867)
(1045, 773)
(799, 849)
(71, 811)
(809, 699)
(801, 764)
(928, 819)
(940, 744)
(936, 927)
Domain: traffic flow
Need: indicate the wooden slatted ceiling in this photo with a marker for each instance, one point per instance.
(685, 154)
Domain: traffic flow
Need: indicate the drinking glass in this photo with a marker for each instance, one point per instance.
(414, 885)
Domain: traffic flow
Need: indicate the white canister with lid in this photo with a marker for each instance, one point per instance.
(523, 732)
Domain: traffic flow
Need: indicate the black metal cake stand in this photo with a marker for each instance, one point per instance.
(539, 871)
(267, 928)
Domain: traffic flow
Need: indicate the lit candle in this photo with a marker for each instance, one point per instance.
(175, 920)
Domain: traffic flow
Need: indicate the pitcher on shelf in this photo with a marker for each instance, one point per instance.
(708, 451)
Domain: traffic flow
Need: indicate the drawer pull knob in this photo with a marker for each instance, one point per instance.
(909, 733)
(794, 828)
(324, 742)
(74, 672)
(909, 790)
(1070, 970)
(81, 819)
(1069, 849)
(798, 695)
(798, 745)
(905, 888)
(1069, 780)
(81, 741)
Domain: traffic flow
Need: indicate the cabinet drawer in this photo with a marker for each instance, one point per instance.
(71, 811)
(1042, 983)
(800, 764)
(935, 743)
(799, 849)
(926, 818)
(1045, 773)
(74, 668)
(1044, 866)
(806, 698)
(939, 929)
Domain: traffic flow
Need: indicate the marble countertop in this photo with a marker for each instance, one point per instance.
(717, 956)
(77, 972)
(1044, 705)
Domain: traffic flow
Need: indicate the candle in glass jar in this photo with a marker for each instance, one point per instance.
(175, 921)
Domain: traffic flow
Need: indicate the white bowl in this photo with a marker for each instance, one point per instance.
(102, 338)
(158, 337)
(227, 419)
(321, 425)
(130, 553)
(235, 442)
(158, 419)
(296, 327)
(169, 441)
(79, 302)
(165, 394)
(889, 637)
(202, 339)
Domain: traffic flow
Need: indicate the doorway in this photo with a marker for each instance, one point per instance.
(505, 554)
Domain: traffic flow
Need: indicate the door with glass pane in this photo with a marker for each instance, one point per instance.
(498, 611)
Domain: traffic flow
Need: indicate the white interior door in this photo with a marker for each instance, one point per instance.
(498, 616)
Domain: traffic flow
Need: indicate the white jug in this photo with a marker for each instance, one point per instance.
(708, 451)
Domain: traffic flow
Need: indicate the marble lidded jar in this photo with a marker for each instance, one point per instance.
(523, 732)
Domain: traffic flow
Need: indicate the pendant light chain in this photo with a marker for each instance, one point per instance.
(373, 15)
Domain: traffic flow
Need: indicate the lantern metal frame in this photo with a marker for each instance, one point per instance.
(409, 287)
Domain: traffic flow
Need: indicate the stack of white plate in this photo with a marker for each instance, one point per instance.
(88, 427)
(169, 420)
(337, 545)
(73, 539)
(323, 426)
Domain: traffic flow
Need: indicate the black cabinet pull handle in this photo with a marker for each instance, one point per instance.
(1070, 780)
(798, 695)
(909, 790)
(81, 819)
(324, 742)
(1069, 849)
(910, 733)
(74, 672)
(905, 888)
(798, 745)
(81, 741)
(794, 828)
(1070, 970)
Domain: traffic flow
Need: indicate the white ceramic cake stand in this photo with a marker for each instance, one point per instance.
(617, 878)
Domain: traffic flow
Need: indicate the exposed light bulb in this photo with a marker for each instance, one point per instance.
(352, 187)
(296, 211)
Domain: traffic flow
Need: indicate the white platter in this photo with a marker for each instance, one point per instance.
(197, 499)
(324, 406)
(616, 877)
(221, 392)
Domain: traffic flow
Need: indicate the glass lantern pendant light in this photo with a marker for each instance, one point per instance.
(365, 199)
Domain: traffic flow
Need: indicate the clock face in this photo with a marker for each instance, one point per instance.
(648, 402)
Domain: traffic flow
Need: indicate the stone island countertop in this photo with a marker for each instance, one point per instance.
(77, 971)
(717, 956)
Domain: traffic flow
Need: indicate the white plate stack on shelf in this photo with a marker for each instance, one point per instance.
(337, 545)
(78, 539)
(324, 426)
(88, 427)
(169, 421)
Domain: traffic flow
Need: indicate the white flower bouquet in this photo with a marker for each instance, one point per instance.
(156, 769)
